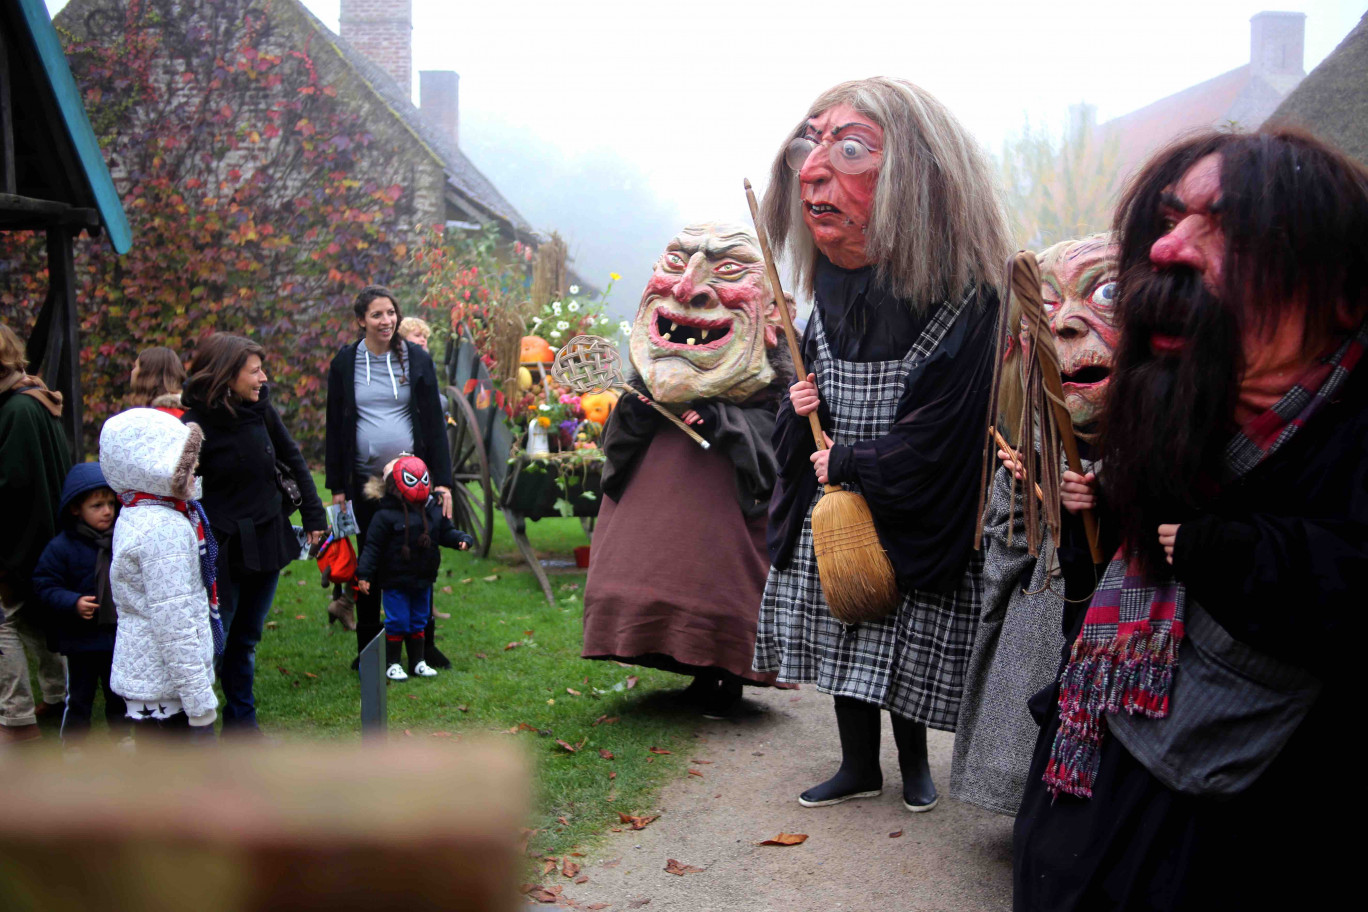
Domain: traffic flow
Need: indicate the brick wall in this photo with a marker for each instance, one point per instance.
(439, 100)
(383, 31)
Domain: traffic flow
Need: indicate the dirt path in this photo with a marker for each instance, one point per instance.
(955, 859)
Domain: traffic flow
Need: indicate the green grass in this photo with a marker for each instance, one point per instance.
(305, 688)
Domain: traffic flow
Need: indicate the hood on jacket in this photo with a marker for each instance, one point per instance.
(168, 401)
(83, 478)
(145, 450)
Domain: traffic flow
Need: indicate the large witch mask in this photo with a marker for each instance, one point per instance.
(707, 320)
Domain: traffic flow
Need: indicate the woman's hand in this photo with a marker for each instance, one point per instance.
(821, 458)
(316, 536)
(363, 587)
(1012, 462)
(1078, 492)
(803, 395)
(445, 495)
(692, 417)
(1168, 534)
(339, 497)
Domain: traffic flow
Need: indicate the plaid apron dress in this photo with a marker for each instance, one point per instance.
(912, 662)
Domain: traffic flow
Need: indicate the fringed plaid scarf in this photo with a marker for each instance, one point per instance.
(1126, 654)
(208, 551)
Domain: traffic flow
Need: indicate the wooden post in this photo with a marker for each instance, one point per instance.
(7, 179)
(374, 695)
(61, 351)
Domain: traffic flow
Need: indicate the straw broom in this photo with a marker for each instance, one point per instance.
(857, 577)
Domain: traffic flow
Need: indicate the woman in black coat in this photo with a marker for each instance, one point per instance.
(243, 439)
(382, 401)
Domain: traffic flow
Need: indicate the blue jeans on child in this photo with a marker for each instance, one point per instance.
(245, 598)
(406, 611)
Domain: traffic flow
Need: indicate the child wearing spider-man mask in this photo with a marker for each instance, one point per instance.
(401, 558)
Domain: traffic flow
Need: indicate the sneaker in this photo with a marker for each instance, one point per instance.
(396, 672)
(424, 670)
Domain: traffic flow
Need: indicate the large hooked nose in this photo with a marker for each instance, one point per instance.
(693, 289)
(1068, 323)
(817, 168)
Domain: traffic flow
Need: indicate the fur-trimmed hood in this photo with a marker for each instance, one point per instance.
(145, 450)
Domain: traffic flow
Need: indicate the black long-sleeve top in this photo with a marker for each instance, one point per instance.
(921, 478)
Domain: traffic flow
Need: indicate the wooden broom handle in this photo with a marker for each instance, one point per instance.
(1026, 285)
(778, 290)
(1004, 445)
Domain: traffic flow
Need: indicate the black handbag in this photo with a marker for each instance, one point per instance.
(287, 484)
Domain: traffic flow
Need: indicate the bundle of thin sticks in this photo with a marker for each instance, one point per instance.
(1044, 431)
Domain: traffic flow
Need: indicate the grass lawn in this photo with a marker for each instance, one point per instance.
(515, 662)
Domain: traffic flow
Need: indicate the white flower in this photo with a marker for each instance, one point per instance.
(555, 334)
(555, 307)
(536, 321)
(544, 407)
(572, 306)
(604, 320)
(574, 289)
(625, 328)
(561, 324)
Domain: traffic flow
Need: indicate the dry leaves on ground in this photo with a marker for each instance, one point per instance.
(698, 773)
(786, 839)
(638, 823)
(605, 720)
(680, 868)
(632, 681)
(605, 753)
(704, 762)
(895, 834)
(539, 894)
(658, 750)
(569, 868)
(521, 727)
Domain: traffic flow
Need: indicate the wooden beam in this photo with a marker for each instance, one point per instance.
(47, 212)
(7, 179)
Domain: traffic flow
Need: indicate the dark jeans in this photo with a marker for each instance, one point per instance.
(245, 598)
(86, 673)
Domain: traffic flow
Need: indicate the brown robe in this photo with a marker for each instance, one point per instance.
(676, 570)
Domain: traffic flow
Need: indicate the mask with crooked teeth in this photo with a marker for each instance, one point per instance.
(707, 320)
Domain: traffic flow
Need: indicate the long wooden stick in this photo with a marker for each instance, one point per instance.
(778, 290)
(1026, 285)
(1004, 445)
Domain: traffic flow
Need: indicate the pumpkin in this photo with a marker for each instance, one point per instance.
(597, 405)
(536, 350)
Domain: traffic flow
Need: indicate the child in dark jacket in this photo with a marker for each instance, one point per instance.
(401, 558)
(71, 581)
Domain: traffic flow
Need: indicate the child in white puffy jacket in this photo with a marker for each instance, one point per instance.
(161, 575)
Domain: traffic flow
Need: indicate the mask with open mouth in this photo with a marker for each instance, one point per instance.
(707, 320)
(1078, 285)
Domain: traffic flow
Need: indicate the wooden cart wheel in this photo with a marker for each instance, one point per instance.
(472, 497)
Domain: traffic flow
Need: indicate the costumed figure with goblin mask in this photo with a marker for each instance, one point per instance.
(679, 559)
(890, 216)
(1197, 752)
(1020, 634)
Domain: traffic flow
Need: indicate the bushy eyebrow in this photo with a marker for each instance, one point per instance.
(811, 127)
(1171, 200)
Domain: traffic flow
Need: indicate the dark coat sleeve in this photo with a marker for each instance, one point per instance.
(52, 578)
(448, 536)
(336, 473)
(311, 510)
(429, 423)
(743, 436)
(796, 483)
(377, 539)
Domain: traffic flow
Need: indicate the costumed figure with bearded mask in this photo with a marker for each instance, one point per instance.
(679, 559)
(1196, 752)
(891, 219)
(1016, 649)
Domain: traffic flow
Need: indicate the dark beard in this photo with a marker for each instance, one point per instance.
(1168, 415)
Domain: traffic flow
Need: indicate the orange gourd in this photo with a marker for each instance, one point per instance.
(536, 350)
(597, 405)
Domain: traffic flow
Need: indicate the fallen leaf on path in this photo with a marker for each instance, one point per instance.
(611, 863)
(786, 839)
(556, 888)
(605, 720)
(573, 692)
(569, 868)
(548, 866)
(301, 617)
(612, 776)
(490, 579)
(513, 645)
(310, 674)
(637, 903)
(567, 745)
(658, 750)
(631, 679)
(540, 894)
(463, 708)
(704, 762)
(521, 727)
(582, 879)
(562, 821)
(441, 734)
(408, 733)
(622, 664)
(698, 773)
(411, 696)
(678, 867)
(895, 834)
(527, 633)
(597, 906)
(638, 823)
(446, 590)
(605, 753)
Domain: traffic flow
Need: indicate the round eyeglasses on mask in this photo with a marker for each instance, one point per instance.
(849, 156)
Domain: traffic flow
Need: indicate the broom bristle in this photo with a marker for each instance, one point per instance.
(857, 577)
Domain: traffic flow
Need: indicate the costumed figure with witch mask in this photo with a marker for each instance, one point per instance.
(678, 561)
(1189, 753)
(890, 216)
(1016, 648)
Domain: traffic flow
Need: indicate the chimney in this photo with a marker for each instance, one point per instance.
(383, 31)
(1275, 43)
(439, 100)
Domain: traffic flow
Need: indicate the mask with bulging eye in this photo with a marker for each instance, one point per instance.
(411, 479)
(707, 320)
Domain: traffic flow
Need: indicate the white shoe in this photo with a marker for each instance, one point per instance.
(396, 672)
(424, 670)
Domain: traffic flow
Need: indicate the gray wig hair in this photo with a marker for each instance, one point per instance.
(937, 225)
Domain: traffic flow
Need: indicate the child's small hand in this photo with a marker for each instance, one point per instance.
(463, 546)
(86, 606)
(363, 587)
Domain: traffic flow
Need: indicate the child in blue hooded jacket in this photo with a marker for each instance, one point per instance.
(71, 581)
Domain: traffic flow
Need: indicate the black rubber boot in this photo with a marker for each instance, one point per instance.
(434, 655)
(859, 776)
(723, 699)
(919, 792)
(394, 652)
(416, 649)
